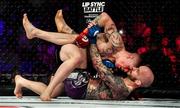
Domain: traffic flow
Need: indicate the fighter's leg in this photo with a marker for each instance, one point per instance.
(56, 38)
(21, 82)
(61, 25)
(72, 57)
(58, 90)
(37, 87)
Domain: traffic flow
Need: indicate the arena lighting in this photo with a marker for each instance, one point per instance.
(122, 32)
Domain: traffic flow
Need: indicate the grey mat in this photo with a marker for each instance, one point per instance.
(65, 102)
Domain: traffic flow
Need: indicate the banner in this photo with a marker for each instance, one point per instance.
(92, 9)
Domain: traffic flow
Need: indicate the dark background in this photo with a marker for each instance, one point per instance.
(35, 59)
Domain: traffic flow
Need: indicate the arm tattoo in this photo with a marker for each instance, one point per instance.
(97, 19)
(97, 61)
(116, 40)
(110, 29)
(113, 86)
(104, 72)
(113, 36)
(73, 32)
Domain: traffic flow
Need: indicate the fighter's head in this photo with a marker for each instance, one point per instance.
(142, 76)
(126, 60)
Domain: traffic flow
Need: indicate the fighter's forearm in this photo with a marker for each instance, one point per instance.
(104, 73)
(96, 20)
(97, 61)
(101, 19)
(104, 20)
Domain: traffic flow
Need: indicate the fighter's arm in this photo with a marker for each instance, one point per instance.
(97, 61)
(114, 38)
(104, 73)
(104, 20)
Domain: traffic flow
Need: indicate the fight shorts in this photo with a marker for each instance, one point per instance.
(76, 84)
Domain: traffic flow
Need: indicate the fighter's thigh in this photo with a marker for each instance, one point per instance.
(69, 51)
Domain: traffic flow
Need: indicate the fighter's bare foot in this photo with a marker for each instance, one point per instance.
(29, 28)
(61, 24)
(18, 88)
(45, 96)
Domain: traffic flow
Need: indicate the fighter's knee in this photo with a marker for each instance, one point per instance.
(68, 48)
(67, 51)
(78, 57)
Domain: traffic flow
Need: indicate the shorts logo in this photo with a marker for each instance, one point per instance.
(78, 79)
(85, 39)
(81, 80)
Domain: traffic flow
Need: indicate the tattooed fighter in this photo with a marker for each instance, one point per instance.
(107, 86)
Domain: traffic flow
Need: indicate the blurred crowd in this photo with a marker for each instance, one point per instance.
(158, 47)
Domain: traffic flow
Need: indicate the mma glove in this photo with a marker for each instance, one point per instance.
(82, 40)
(108, 63)
(92, 33)
(92, 40)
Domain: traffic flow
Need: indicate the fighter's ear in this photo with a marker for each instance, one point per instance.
(138, 82)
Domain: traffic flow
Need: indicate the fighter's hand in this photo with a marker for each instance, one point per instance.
(108, 63)
(93, 29)
(82, 40)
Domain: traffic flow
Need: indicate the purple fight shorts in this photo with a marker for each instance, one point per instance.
(76, 84)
